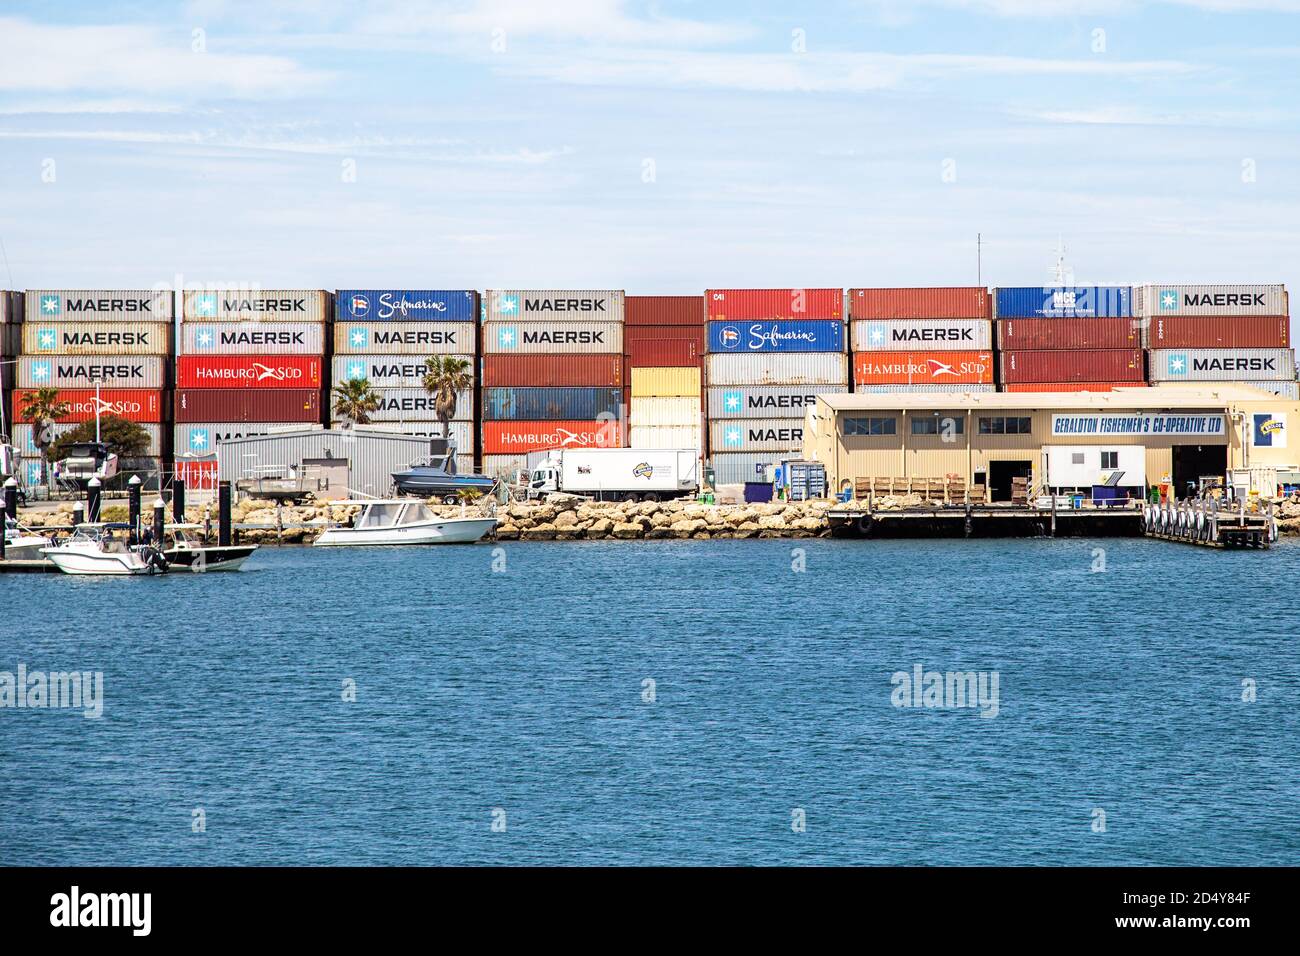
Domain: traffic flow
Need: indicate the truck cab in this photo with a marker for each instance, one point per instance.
(544, 479)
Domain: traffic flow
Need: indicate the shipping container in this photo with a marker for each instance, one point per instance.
(886, 335)
(1222, 365)
(1090, 365)
(24, 438)
(551, 404)
(553, 305)
(756, 434)
(1289, 390)
(248, 371)
(405, 338)
(730, 468)
(744, 305)
(252, 338)
(97, 338)
(199, 438)
(1174, 299)
(665, 412)
(915, 389)
(808, 368)
(504, 466)
(417, 405)
(406, 305)
(1217, 331)
(953, 302)
(11, 308)
(100, 305)
(461, 432)
(915, 368)
(387, 371)
(765, 401)
(255, 305)
(87, 371)
(552, 370)
(1102, 333)
(658, 382)
(247, 405)
(516, 438)
(782, 335)
(662, 353)
(552, 338)
(1062, 302)
(665, 436)
(11, 339)
(676, 310)
(1070, 386)
(134, 404)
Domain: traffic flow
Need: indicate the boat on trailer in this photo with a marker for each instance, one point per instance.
(387, 521)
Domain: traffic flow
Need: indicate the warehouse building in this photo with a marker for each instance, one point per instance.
(1059, 440)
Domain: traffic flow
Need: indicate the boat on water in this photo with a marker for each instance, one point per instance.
(385, 521)
(102, 549)
(436, 477)
(23, 544)
(184, 551)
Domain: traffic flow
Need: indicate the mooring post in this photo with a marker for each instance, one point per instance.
(11, 497)
(133, 509)
(78, 513)
(1049, 491)
(159, 521)
(223, 514)
(92, 500)
(178, 501)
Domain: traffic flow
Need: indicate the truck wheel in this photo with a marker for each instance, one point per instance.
(651, 496)
(631, 496)
(449, 499)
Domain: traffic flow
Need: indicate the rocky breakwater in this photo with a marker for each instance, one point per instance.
(566, 518)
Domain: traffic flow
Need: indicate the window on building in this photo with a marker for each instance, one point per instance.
(938, 425)
(1076, 458)
(1004, 426)
(870, 426)
(1110, 460)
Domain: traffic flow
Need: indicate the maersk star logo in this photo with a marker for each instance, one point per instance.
(40, 372)
(358, 338)
(732, 401)
(33, 473)
(198, 439)
(205, 305)
(356, 370)
(1178, 364)
(1168, 299)
(46, 338)
(204, 338)
(51, 305)
(876, 333)
(507, 337)
(732, 436)
(508, 305)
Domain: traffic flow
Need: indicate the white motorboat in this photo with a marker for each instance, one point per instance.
(185, 552)
(23, 544)
(97, 549)
(404, 521)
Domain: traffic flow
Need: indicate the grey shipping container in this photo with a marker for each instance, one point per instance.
(372, 456)
(1221, 365)
(405, 338)
(86, 371)
(582, 305)
(11, 308)
(254, 305)
(200, 438)
(385, 371)
(100, 305)
(879, 335)
(417, 405)
(252, 338)
(460, 432)
(764, 401)
(1213, 299)
(552, 338)
(767, 368)
(24, 438)
(731, 468)
(97, 338)
(756, 434)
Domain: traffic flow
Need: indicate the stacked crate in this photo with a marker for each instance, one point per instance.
(770, 352)
(76, 339)
(663, 340)
(249, 362)
(921, 340)
(11, 345)
(552, 373)
(1067, 339)
(385, 336)
(1218, 333)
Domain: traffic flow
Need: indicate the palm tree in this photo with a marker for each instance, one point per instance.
(43, 408)
(355, 400)
(446, 376)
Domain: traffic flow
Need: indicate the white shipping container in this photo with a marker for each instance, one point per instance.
(1221, 365)
(759, 434)
(504, 466)
(415, 405)
(24, 438)
(951, 389)
(552, 305)
(764, 401)
(665, 411)
(86, 371)
(768, 368)
(200, 438)
(253, 305)
(1289, 390)
(885, 335)
(406, 338)
(97, 338)
(11, 308)
(385, 371)
(100, 305)
(552, 338)
(731, 468)
(252, 338)
(1174, 299)
(666, 436)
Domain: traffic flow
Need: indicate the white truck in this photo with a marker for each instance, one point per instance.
(615, 474)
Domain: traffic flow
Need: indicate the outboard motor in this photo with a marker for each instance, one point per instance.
(156, 560)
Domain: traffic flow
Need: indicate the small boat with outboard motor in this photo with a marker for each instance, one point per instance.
(436, 477)
(385, 521)
(185, 551)
(102, 549)
(23, 544)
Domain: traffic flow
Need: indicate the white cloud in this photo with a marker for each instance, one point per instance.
(904, 10)
(1136, 116)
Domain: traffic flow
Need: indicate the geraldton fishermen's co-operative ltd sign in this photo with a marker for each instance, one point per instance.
(1199, 425)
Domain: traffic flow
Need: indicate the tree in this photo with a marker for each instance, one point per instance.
(123, 438)
(43, 407)
(446, 376)
(355, 400)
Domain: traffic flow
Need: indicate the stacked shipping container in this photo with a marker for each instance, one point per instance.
(552, 373)
(921, 340)
(249, 361)
(769, 352)
(663, 337)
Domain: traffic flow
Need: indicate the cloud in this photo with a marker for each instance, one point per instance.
(1135, 116)
(903, 10)
(139, 59)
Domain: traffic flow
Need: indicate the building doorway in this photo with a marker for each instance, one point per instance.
(1000, 475)
(1192, 462)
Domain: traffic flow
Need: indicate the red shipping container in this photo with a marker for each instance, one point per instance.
(1071, 386)
(923, 368)
(141, 405)
(247, 405)
(1218, 332)
(199, 474)
(663, 310)
(743, 305)
(517, 438)
(653, 333)
(248, 371)
(553, 370)
(952, 302)
(1096, 365)
(664, 353)
(1106, 333)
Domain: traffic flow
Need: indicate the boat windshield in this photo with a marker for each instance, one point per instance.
(416, 512)
(381, 515)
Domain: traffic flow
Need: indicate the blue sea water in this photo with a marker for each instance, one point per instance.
(520, 696)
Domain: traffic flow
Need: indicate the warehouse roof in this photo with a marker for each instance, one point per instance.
(1205, 395)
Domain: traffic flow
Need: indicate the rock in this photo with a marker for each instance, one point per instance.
(627, 530)
(566, 519)
(687, 526)
(600, 526)
(539, 532)
(771, 521)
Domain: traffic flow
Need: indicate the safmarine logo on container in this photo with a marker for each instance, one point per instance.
(199, 440)
(51, 305)
(1168, 300)
(205, 304)
(733, 401)
(205, 337)
(46, 339)
(730, 336)
(1176, 363)
(358, 337)
(359, 305)
(507, 337)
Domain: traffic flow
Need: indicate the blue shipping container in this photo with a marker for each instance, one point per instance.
(406, 305)
(1067, 302)
(782, 335)
(551, 404)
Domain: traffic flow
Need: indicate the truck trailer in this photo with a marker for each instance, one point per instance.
(615, 474)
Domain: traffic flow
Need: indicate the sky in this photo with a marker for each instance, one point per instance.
(662, 147)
